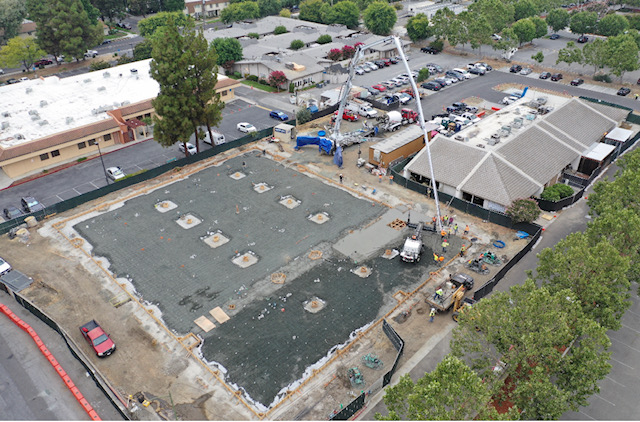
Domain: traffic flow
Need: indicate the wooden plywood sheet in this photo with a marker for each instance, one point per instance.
(219, 315)
(204, 323)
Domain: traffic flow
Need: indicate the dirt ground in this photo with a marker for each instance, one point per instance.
(71, 288)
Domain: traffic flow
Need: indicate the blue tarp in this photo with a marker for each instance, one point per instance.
(337, 158)
(324, 144)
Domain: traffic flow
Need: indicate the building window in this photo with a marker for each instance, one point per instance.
(55, 153)
(91, 142)
(107, 137)
(224, 93)
(82, 145)
(44, 156)
(147, 116)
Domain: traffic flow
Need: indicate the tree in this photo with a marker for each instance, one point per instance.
(324, 39)
(310, 10)
(500, 14)
(348, 52)
(172, 5)
(623, 192)
(148, 26)
(92, 11)
(142, 51)
(63, 27)
(558, 19)
(423, 74)
(549, 354)
(12, 12)
(612, 25)
(303, 116)
(525, 30)
(334, 54)
(380, 17)
(541, 26)
(539, 57)
(525, 9)
(277, 78)
(285, 13)
(479, 31)
(418, 27)
(441, 21)
(269, 7)
(228, 51)
(20, 52)
(596, 54)
(139, 7)
(623, 54)
(583, 22)
(458, 32)
(452, 391)
(509, 40)
(296, 44)
(570, 54)
(109, 9)
(345, 13)
(594, 270)
(523, 210)
(280, 29)
(240, 11)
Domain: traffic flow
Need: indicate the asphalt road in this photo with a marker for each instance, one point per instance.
(30, 389)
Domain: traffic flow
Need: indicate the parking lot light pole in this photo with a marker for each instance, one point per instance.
(102, 161)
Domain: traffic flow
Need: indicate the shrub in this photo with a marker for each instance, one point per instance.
(423, 74)
(303, 116)
(348, 52)
(264, 82)
(99, 65)
(324, 39)
(296, 45)
(81, 159)
(602, 78)
(523, 210)
(253, 78)
(292, 87)
(237, 75)
(253, 35)
(397, 6)
(285, 13)
(335, 54)
(556, 192)
(280, 29)
(437, 44)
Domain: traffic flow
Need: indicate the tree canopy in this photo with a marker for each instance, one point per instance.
(418, 27)
(12, 12)
(612, 24)
(525, 30)
(583, 22)
(240, 11)
(558, 19)
(380, 17)
(345, 13)
(148, 26)
(500, 14)
(570, 54)
(228, 51)
(20, 52)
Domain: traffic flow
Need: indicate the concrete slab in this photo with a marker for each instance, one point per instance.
(204, 323)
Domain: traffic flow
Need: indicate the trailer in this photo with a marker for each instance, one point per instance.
(453, 291)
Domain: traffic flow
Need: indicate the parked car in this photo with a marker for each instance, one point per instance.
(246, 127)
(556, 77)
(12, 81)
(554, 37)
(98, 338)
(403, 98)
(577, 82)
(463, 72)
(623, 91)
(583, 39)
(190, 148)
(485, 65)
(545, 75)
(12, 212)
(31, 204)
(90, 54)
(454, 74)
(124, 25)
(379, 63)
(43, 62)
(115, 173)
(443, 81)
(394, 60)
(477, 71)
(5, 267)
(359, 70)
(346, 115)
(386, 61)
(372, 65)
(379, 87)
(433, 86)
(526, 71)
(429, 50)
(515, 68)
(277, 114)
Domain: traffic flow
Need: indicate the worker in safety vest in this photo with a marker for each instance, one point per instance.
(439, 294)
(463, 250)
(432, 314)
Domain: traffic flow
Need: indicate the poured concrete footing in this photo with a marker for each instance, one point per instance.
(216, 240)
(165, 206)
(187, 221)
(245, 260)
(320, 218)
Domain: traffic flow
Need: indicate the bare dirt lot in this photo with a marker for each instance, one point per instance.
(72, 288)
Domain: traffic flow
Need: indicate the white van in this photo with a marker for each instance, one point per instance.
(218, 138)
(464, 72)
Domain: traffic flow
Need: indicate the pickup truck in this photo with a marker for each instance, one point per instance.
(98, 338)
(90, 54)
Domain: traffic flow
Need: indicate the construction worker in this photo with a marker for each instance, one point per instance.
(466, 230)
(432, 314)
(463, 250)
(444, 246)
(439, 294)
(341, 177)
(436, 257)
(443, 234)
(455, 229)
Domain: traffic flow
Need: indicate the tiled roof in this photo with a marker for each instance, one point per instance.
(617, 114)
(592, 125)
(573, 143)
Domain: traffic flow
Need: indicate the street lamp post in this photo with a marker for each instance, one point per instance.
(102, 161)
(131, 44)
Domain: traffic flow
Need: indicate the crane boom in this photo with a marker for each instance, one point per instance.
(346, 89)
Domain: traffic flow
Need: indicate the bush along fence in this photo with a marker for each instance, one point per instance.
(359, 402)
(546, 205)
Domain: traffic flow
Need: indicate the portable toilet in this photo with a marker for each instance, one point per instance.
(284, 132)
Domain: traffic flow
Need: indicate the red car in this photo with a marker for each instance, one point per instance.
(97, 338)
(42, 62)
(346, 115)
(379, 87)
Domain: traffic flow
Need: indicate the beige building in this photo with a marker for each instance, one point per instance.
(49, 121)
(212, 8)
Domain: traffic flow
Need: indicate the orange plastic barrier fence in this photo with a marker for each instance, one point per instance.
(53, 361)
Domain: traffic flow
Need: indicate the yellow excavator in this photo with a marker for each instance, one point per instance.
(460, 303)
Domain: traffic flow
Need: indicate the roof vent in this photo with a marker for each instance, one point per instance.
(6, 114)
(43, 122)
(35, 117)
(43, 103)
(101, 88)
(134, 70)
(126, 102)
(33, 112)
(106, 75)
(492, 142)
(29, 90)
(69, 120)
(4, 125)
(18, 136)
(86, 81)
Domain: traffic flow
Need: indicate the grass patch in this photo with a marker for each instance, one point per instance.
(81, 159)
(133, 174)
(260, 86)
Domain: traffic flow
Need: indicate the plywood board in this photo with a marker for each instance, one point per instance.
(219, 315)
(204, 323)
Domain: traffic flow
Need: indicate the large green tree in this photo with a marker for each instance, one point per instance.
(92, 11)
(525, 30)
(311, 10)
(12, 12)
(148, 26)
(451, 392)
(558, 19)
(441, 21)
(240, 11)
(612, 24)
(63, 27)
(525, 9)
(541, 26)
(110, 9)
(380, 17)
(418, 27)
(228, 51)
(570, 54)
(20, 52)
(583, 22)
(172, 5)
(345, 13)
(479, 32)
(540, 343)
(269, 7)
(509, 40)
(623, 54)
(500, 14)
(594, 270)
(596, 54)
